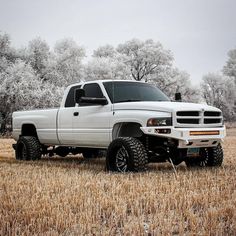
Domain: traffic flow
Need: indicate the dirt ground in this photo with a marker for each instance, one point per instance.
(73, 196)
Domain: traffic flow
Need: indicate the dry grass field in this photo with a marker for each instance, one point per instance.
(72, 196)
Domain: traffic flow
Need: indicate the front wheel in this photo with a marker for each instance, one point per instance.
(211, 157)
(126, 154)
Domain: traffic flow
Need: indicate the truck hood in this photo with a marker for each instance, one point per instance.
(163, 106)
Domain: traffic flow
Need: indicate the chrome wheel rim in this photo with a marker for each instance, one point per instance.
(122, 160)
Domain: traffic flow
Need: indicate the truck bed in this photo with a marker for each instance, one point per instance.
(45, 122)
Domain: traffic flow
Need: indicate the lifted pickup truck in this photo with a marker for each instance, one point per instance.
(133, 121)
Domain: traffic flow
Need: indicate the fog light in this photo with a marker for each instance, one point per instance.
(163, 131)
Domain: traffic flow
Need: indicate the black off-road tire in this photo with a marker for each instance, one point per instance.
(134, 153)
(209, 157)
(28, 148)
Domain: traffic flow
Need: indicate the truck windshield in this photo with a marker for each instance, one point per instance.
(119, 91)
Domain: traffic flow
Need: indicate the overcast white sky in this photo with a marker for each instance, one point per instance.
(198, 32)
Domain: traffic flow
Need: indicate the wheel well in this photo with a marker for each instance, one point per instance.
(126, 129)
(29, 130)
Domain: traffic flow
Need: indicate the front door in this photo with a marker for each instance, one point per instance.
(91, 123)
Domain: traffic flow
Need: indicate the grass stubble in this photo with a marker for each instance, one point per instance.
(72, 196)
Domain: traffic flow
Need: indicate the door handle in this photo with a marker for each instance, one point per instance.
(76, 113)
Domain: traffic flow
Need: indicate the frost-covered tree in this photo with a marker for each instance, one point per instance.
(141, 60)
(184, 86)
(38, 55)
(219, 91)
(230, 67)
(4, 63)
(145, 57)
(22, 89)
(7, 53)
(172, 80)
(65, 67)
(19, 89)
(4, 44)
(105, 51)
(106, 68)
(2, 123)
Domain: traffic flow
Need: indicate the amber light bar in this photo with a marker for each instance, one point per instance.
(212, 132)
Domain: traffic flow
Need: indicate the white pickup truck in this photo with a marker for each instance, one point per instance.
(133, 121)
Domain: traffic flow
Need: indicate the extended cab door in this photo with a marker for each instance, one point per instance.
(65, 118)
(91, 123)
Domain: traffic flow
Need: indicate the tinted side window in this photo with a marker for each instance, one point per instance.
(93, 90)
(70, 100)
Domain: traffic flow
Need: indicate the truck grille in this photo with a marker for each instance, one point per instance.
(212, 113)
(188, 121)
(187, 113)
(198, 118)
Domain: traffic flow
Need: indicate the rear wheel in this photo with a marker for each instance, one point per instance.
(126, 154)
(212, 156)
(28, 148)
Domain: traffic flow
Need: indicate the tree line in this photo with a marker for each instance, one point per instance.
(35, 76)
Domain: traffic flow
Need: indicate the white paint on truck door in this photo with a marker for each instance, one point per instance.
(64, 126)
(65, 118)
(91, 127)
(91, 123)
(85, 125)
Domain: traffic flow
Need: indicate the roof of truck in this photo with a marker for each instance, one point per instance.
(102, 81)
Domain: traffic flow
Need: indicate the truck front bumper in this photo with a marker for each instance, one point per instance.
(189, 137)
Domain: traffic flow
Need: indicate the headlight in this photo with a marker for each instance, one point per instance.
(163, 121)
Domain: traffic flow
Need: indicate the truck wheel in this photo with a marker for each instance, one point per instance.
(90, 153)
(212, 156)
(126, 154)
(28, 148)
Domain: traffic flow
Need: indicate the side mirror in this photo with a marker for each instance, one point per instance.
(178, 97)
(82, 100)
(79, 93)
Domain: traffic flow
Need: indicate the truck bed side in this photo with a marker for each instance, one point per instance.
(44, 121)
